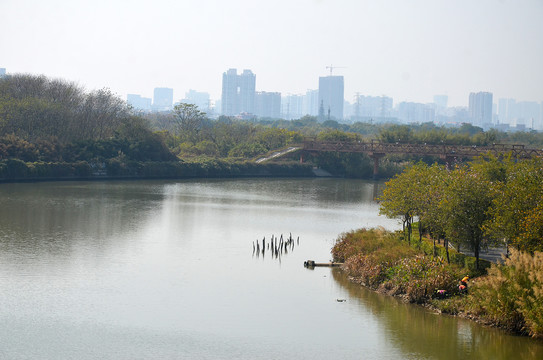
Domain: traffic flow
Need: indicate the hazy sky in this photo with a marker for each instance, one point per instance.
(407, 49)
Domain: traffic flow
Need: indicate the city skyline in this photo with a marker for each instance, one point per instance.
(409, 51)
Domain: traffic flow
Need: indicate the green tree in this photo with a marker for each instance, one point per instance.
(401, 197)
(517, 206)
(337, 135)
(396, 133)
(189, 120)
(467, 203)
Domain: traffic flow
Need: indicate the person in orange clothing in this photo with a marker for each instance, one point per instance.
(463, 286)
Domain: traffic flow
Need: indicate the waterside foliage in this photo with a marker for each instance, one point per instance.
(510, 296)
(488, 201)
(382, 261)
(16, 170)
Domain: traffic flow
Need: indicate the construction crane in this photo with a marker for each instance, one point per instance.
(334, 67)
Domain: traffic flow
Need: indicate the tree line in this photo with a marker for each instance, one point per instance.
(50, 120)
(486, 201)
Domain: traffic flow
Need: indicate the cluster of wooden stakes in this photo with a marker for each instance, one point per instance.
(277, 246)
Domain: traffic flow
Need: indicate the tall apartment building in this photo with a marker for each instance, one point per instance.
(527, 113)
(372, 107)
(411, 112)
(331, 96)
(311, 103)
(440, 102)
(162, 99)
(292, 107)
(238, 92)
(268, 104)
(2, 72)
(480, 108)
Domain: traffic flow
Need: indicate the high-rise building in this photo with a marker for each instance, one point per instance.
(2, 72)
(528, 113)
(311, 103)
(480, 108)
(162, 99)
(440, 102)
(268, 104)
(138, 102)
(502, 111)
(331, 90)
(200, 99)
(372, 106)
(415, 112)
(292, 107)
(238, 92)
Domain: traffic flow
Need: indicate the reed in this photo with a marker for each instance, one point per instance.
(511, 296)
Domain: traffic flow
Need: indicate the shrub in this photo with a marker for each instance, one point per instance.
(380, 259)
(511, 295)
(421, 276)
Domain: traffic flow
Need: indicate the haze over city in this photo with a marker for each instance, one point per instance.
(409, 51)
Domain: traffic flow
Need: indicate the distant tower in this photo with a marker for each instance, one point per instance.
(268, 104)
(200, 99)
(440, 102)
(331, 89)
(238, 92)
(480, 108)
(162, 99)
(311, 103)
(2, 72)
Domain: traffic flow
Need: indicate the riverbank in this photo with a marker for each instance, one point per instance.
(13, 170)
(509, 297)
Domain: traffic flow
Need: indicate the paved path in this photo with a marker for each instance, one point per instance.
(491, 254)
(277, 154)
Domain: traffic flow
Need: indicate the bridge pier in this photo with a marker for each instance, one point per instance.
(376, 157)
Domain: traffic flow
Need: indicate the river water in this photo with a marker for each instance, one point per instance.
(166, 270)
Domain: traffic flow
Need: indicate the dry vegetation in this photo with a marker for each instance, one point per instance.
(510, 296)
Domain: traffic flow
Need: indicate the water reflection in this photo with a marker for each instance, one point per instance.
(153, 267)
(59, 220)
(424, 334)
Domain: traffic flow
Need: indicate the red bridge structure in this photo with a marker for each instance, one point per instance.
(450, 153)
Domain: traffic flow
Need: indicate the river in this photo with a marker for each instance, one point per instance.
(166, 270)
